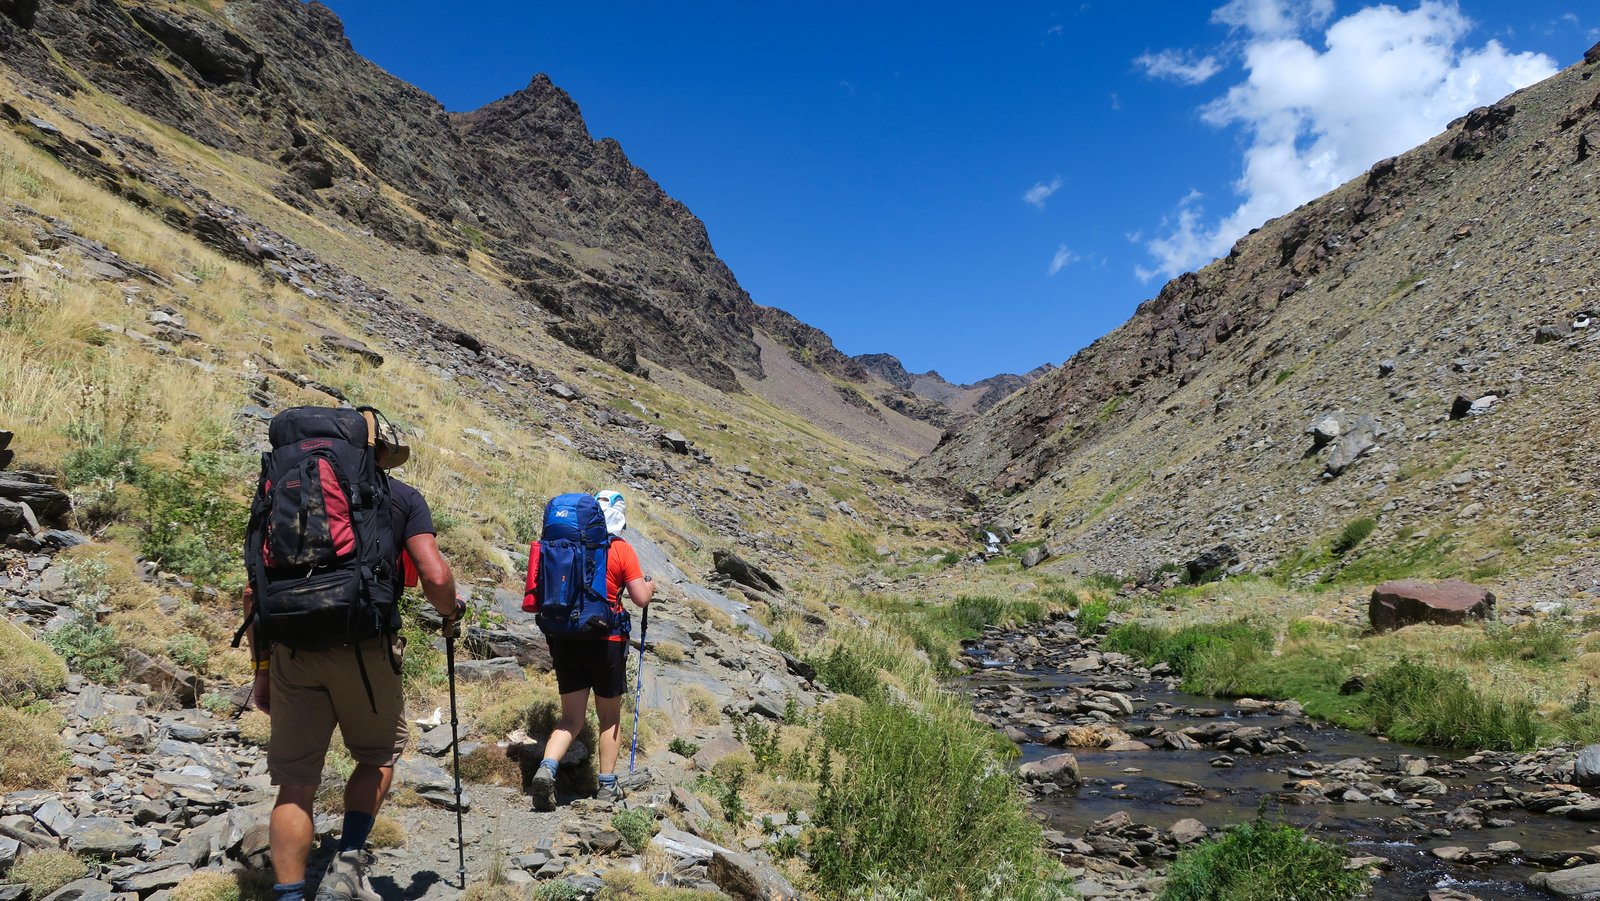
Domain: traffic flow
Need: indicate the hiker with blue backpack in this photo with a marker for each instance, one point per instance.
(332, 542)
(578, 570)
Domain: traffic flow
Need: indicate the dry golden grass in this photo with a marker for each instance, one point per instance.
(214, 885)
(703, 707)
(255, 727)
(387, 833)
(31, 753)
(710, 615)
(670, 651)
(45, 871)
(28, 668)
(489, 765)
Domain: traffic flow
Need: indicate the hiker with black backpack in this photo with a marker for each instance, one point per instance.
(332, 542)
(577, 572)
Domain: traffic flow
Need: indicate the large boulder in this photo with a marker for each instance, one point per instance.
(163, 676)
(103, 837)
(1061, 769)
(1586, 770)
(1579, 882)
(1355, 441)
(1448, 603)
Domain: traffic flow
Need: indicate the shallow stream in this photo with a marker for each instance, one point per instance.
(1159, 787)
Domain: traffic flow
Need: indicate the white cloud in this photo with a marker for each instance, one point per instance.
(1040, 192)
(1273, 18)
(1062, 259)
(1386, 81)
(1178, 65)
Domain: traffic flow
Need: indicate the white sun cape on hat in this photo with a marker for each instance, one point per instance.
(615, 509)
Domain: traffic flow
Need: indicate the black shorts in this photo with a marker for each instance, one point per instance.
(590, 664)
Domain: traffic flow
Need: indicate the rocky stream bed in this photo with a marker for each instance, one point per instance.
(1127, 770)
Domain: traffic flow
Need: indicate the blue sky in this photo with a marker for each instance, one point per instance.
(984, 188)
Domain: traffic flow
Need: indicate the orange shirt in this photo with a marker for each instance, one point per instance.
(622, 567)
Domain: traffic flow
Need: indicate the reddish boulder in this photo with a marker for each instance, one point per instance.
(1448, 603)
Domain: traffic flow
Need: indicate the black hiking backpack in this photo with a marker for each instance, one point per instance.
(320, 548)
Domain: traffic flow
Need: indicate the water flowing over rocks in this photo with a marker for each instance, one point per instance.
(1155, 770)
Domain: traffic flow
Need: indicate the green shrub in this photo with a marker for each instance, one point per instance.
(1353, 534)
(845, 669)
(785, 641)
(912, 799)
(189, 651)
(637, 825)
(683, 747)
(45, 871)
(1416, 702)
(193, 523)
(1262, 861)
(115, 421)
(1092, 615)
(90, 647)
(28, 669)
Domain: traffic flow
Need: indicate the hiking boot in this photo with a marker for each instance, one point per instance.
(543, 789)
(346, 878)
(609, 793)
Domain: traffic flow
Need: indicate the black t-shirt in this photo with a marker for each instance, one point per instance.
(409, 513)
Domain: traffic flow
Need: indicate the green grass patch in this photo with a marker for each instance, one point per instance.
(1262, 861)
(1543, 643)
(637, 825)
(1353, 534)
(193, 523)
(1333, 562)
(1182, 648)
(916, 802)
(1092, 615)
(1417, 702)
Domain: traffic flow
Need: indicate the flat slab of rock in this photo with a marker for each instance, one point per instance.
(1448, 603)
(500, 669)
(1579, 882)
(103, 837)
(748, 879)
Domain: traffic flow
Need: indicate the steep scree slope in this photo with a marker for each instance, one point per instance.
(1461, 269)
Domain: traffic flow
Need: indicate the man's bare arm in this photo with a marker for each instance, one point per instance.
(438, 582)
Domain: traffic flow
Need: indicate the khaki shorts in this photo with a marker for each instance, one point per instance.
(314, 691)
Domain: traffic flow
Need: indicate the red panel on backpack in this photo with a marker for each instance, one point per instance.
(338, 507)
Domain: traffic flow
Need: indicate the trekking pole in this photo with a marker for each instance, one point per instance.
(455, 746)
(638, 688)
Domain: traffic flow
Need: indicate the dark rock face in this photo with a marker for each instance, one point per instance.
(1209, 565)
(278, 80)
(745, 573)
(1448, 603)
(49, 503)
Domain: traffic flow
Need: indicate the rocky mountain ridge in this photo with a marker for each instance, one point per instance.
(591, 248)
(1410, 348)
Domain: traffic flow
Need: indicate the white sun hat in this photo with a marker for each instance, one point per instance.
(615, 509)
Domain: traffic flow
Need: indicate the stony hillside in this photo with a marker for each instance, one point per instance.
(576, 242)
(1414, 348)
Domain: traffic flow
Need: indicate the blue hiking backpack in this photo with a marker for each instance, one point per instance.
(572, 570)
